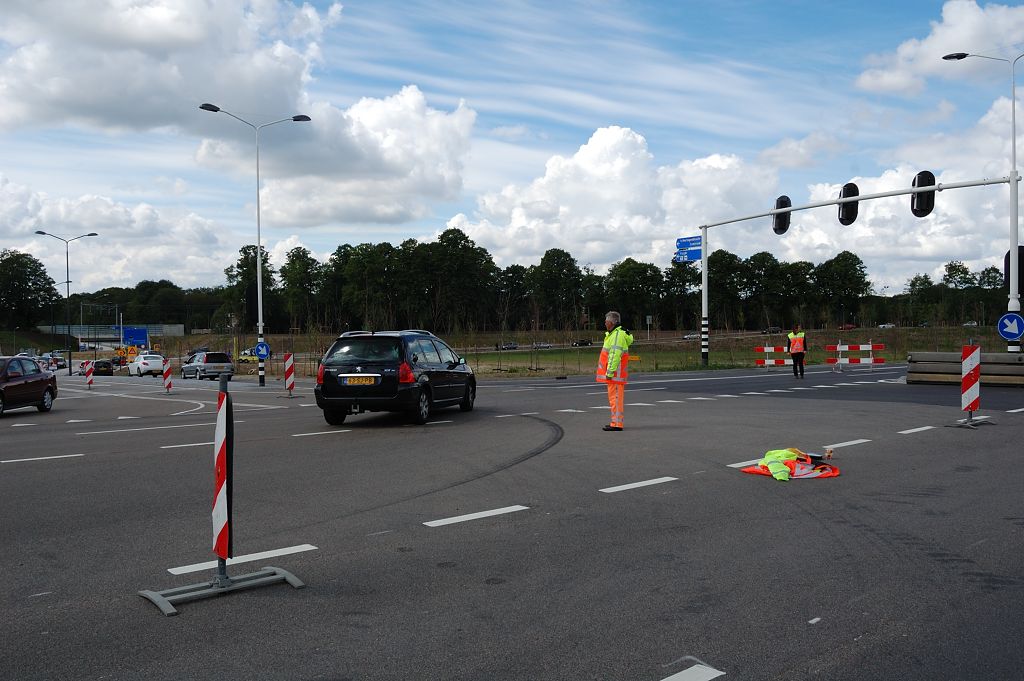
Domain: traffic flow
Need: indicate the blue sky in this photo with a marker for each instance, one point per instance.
(604, 128)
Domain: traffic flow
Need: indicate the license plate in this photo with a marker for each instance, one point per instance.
(358, 380)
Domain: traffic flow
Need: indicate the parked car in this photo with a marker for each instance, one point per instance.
(102, 367)
(398, 371)
(209, 365)
(772, 329)
(581, 342)
(887, 326)
(144, 364)
(23, 383)
(541, 345)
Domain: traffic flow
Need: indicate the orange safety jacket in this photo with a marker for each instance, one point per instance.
(796, 342)
(613, 365)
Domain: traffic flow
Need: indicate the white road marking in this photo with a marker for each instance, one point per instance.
(193, 444)
(475, 516)
(322, 432)
(847, 444)
(43, 458)
(916, 430)
(744, 464)
(697, 672)
(248, 558)
(634, 485)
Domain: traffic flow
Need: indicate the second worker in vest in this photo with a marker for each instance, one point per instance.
(613, 366)
(796, 346)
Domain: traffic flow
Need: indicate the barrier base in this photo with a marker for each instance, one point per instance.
(221, 585)
(971, 422)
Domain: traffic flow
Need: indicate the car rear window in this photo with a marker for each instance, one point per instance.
(216, 357)
(364, 349)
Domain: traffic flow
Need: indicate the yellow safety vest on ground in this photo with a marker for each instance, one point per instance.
(613, 365)
(796, 342)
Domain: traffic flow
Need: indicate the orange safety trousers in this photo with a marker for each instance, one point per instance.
(616, 398)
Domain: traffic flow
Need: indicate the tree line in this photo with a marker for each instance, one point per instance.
(453, 286)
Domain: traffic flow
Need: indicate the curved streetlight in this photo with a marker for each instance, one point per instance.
(1013, 303)
(300, 118)
(67, 282)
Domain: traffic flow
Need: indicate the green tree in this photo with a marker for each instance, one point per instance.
(26, 290)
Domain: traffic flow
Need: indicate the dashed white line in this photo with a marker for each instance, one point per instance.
(248, 558)
(634, 485)
(848, 443)
(475, 516)
(43, 458)
(916, 430)
(322, 432)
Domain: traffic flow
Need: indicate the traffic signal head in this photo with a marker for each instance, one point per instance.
(922, 203)
(780, 221)
(848, 211)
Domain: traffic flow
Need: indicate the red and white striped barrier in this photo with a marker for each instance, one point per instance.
(970, 378)
(168, 384)
(289, 373)
(222, 453)
(869, 348)
(768, 361)
(88, 373)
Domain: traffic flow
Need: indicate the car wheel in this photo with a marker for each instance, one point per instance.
(422, 411)
(335, 417)
(47, 403)
(469, 398)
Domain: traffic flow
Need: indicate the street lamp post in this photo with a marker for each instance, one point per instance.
(67, 282)
(1013, 303)
(259, 243)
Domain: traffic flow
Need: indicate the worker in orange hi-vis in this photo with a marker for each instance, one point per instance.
(613, 366)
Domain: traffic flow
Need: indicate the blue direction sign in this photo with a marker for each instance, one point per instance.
(1011, 326)
(688, 242)
(689, 255)
(262, 350)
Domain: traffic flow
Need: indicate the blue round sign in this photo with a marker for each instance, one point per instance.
(262, 350)
(1011, 326)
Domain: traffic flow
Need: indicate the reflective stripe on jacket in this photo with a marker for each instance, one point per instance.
(796, 342)
(613, 365)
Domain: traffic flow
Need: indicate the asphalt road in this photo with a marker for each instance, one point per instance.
(907, 566)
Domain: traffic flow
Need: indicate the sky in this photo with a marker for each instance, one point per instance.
(607, 129)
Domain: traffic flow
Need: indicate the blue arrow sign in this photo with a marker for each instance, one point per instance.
(262, 350)
(1011, 326)
(688, 242)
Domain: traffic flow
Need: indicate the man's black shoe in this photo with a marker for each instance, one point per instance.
(612, 428)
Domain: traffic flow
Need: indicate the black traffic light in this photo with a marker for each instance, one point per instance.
(922, 203)
(848, 211)
(780, 221)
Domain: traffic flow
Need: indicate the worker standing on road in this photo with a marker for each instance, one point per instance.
(796, 346)
(613, 366)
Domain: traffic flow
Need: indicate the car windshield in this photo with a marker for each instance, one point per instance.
(217, 357)
(368, 349)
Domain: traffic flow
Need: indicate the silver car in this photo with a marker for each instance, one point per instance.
(207, 365)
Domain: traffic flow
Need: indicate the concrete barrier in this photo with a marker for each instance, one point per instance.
(997, 368)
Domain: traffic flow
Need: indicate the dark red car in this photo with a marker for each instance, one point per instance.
(23, 383)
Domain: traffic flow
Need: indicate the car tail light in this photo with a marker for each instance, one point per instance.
(320, 375)
(405, 374)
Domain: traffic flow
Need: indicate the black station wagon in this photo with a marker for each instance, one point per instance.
(405, 371)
